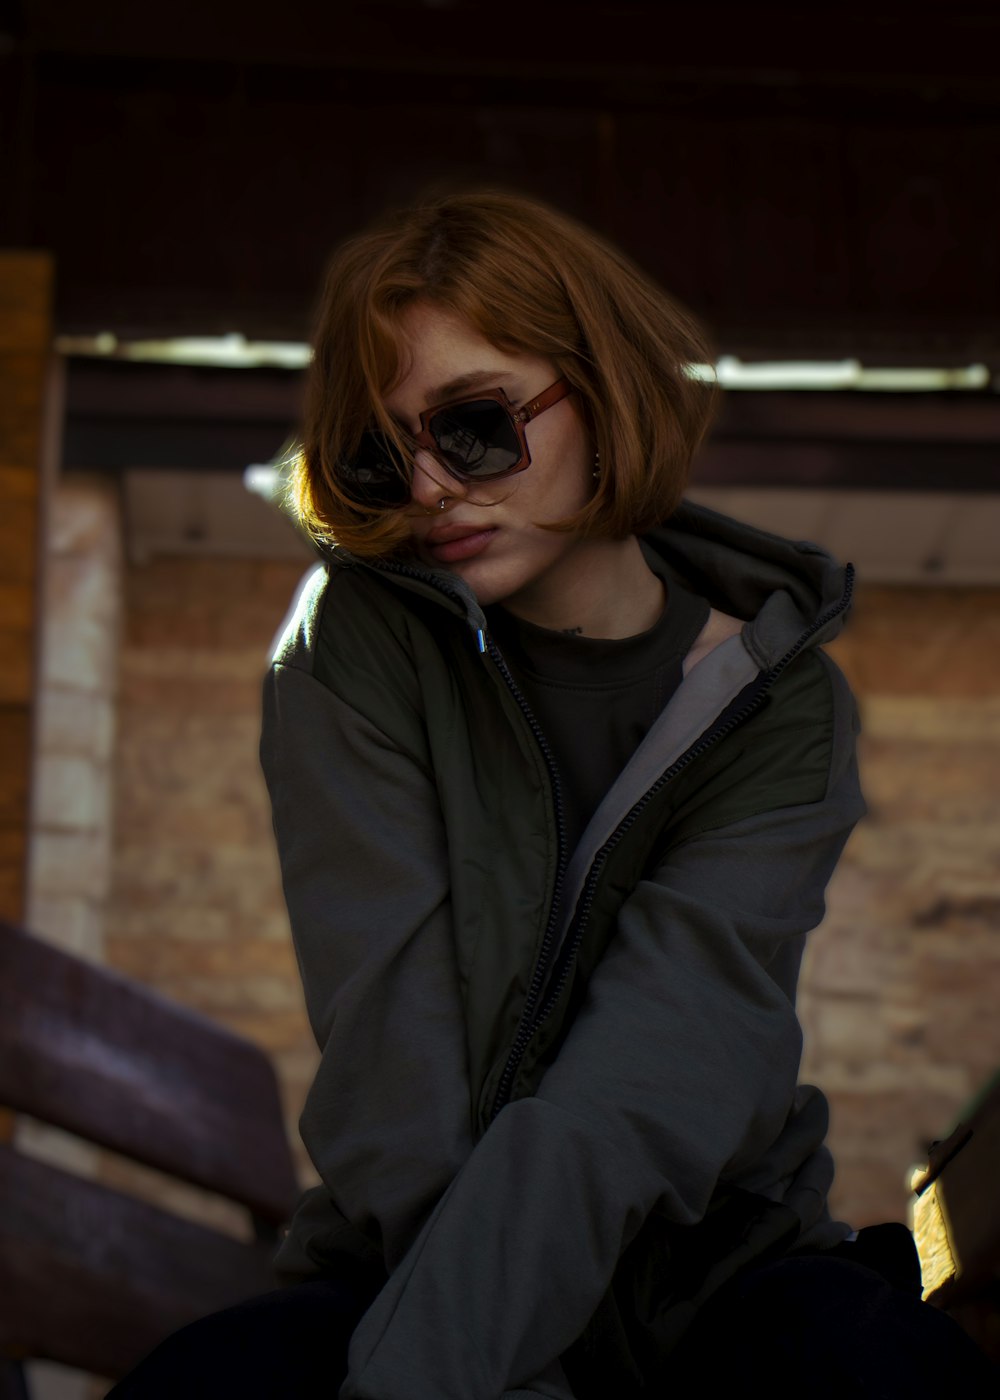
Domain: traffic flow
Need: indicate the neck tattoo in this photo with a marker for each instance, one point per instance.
(571, 631)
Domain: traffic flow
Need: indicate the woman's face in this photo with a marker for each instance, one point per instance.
(489, 532)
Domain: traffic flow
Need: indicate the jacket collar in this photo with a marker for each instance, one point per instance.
(786, 592)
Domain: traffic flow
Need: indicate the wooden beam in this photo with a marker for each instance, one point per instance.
(25, 337)
(639, 38)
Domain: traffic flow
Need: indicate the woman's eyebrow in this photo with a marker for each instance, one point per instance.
(456, 388)
(475, 379)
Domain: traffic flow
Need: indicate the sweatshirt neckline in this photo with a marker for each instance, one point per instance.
(601, 663)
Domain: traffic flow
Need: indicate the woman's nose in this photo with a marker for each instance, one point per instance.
(431, 483)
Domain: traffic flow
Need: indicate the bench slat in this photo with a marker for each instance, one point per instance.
(94, 1279)
(94, 1053)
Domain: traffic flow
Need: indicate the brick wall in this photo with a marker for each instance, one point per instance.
(196, 909)
(902, 983)
(70, 865)
(900, 986)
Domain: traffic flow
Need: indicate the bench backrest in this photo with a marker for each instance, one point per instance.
(89, 1276)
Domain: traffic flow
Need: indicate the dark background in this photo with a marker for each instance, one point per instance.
(812, 180)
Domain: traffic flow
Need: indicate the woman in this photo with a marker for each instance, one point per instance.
(559, 776)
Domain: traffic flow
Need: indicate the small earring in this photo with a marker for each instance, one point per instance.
(596, 473)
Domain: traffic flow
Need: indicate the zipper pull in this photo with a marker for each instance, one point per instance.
(481, 641)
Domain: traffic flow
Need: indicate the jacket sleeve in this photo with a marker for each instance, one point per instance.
(364, 867)
(679, 1069)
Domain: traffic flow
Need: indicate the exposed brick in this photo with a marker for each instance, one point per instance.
(67, 863)
(77, 722)
(80, 641)
(72, 922)
(276, 1031)
(196, 908)
(875, 1136)
(939, 642)
(84, 519)
(236, 962)
(71, 793)
(182, 922)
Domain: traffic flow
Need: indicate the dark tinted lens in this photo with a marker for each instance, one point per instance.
(377, 474)
(477, 438)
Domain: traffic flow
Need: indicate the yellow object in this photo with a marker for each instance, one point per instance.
(938, 1264)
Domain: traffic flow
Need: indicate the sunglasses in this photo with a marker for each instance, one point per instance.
(474, 439)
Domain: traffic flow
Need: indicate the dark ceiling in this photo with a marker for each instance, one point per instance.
(810, 179)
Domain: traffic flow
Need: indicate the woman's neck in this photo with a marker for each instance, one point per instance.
(606, 589)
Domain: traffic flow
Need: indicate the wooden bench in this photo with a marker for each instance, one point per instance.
(89, 1276)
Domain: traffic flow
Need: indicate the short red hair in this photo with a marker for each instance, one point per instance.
(529, 280)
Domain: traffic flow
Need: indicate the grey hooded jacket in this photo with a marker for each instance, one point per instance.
(537, 1065)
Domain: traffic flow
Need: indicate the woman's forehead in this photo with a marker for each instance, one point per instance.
(442, 356)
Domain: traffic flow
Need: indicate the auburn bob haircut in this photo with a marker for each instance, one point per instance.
(529, 280)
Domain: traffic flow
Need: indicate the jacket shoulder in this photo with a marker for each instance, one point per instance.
(794, 751)
(295, 643)
(371, 648)
(344, 621)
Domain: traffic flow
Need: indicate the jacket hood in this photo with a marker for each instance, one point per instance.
(788, 592)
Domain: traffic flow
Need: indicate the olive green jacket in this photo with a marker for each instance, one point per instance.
(557, 1088)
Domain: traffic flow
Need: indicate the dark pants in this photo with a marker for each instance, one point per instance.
(809, 1328)
(821, 1328)
(289, 1343)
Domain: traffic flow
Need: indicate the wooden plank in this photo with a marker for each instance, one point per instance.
(17, 483)
(17, 606)
(643, 42)
(105, 1058)
(22, 381)
(18, 542)
(25, 301)
(15, 745)
(21, 389)
(17, 674)
(13, 869)
(94, 1279)
(25, 336)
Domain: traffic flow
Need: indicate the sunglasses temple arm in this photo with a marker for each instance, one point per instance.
(559, 390)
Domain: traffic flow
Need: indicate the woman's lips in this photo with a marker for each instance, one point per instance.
(456, 547)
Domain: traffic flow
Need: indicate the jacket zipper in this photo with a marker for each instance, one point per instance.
(548, 938)
(727, 723)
